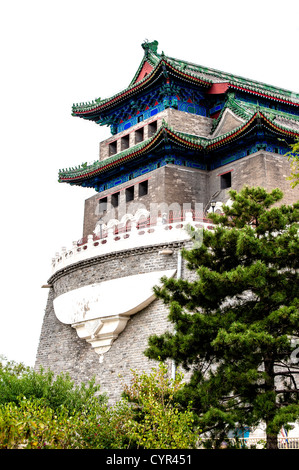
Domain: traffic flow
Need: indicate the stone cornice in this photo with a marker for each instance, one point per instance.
(113, 255)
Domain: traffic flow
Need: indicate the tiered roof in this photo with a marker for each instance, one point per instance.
(247, 115)
(213, 80)
(180, 139)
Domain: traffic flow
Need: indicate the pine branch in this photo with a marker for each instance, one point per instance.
(286, 373)
(283, 364)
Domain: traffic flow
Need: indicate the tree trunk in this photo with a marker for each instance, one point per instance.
(272, 442)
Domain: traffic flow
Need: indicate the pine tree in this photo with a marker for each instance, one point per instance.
(235, 321)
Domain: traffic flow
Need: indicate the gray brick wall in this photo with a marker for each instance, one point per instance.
(264, 169)
(178, 120)
(168, 185)
(174, 184)
(61, 350)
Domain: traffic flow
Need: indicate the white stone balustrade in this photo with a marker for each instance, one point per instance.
(135, 237)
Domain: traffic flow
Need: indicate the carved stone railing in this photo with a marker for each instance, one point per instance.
(116, 236)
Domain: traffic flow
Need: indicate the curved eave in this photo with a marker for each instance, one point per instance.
(142, 84)
(269, 95)
(222, 140)
(118, 98)
(163, 135)
(241, 130)
(166, 136)
(187, 76)
(87, 110)
(280, 128)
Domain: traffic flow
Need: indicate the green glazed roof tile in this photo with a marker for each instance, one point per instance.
(205, 74)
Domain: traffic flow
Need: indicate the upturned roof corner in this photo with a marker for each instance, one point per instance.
(215, 81)
(229, 114)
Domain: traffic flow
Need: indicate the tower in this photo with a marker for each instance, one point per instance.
(182, 135)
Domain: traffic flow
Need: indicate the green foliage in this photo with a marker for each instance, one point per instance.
(107, 428)
(32, 425)
(233, 324)
(38, 411)
(158, 422)
(17, 382)
(293, 157)
(12, 367)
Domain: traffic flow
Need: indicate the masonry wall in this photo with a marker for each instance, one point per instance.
(264, 169)
(61, 350)
(170, 186)
(177, 120)
(176, 185)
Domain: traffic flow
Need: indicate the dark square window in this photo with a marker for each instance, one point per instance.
(152, 128)
(125, 142)
(143, 188)
(103, 205)
(226, 180)
(130, 194)
(112, 148)
(139, 135)
(115, 200)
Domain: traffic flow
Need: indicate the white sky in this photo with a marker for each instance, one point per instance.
(56, 53)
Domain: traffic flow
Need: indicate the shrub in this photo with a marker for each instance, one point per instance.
(18, 381)
(158, 422)
(39, 411)
(32, 425)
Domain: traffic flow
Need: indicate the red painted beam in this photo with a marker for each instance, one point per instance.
(218, 88)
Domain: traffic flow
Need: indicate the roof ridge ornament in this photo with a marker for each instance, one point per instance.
(258, 110)
(150, 46)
